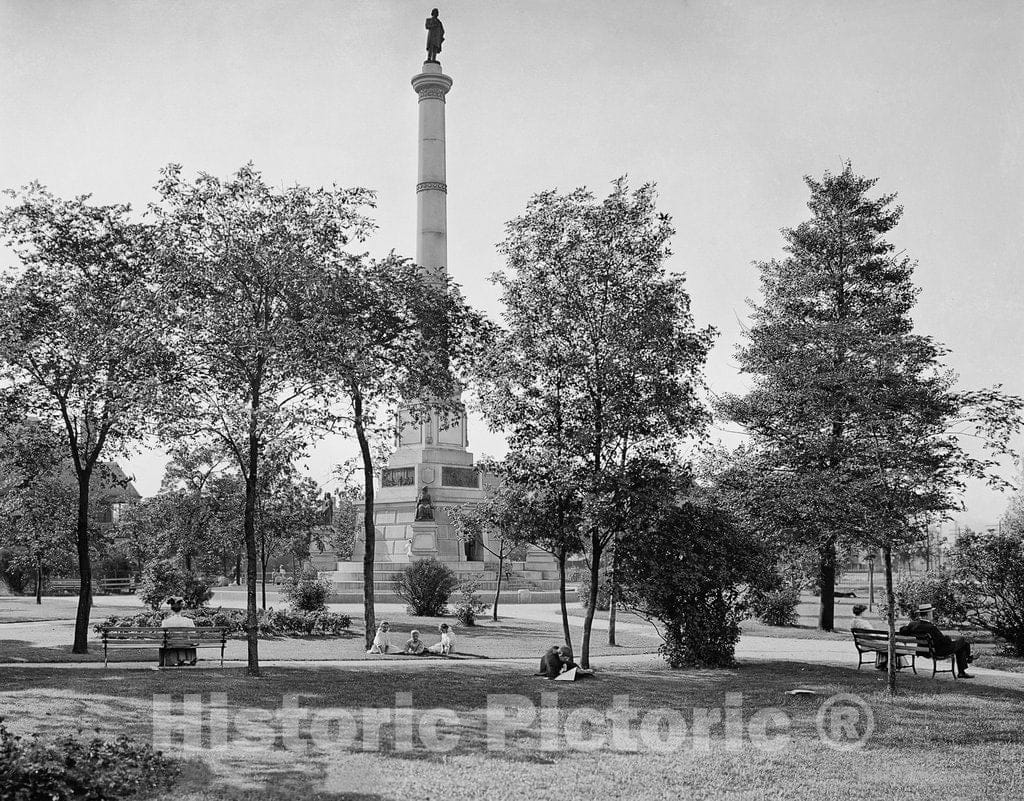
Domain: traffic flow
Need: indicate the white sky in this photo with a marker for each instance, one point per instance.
(726, 105)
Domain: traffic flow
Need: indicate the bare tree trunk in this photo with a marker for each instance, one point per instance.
(39, 581)
(263, 583)
(251, 490)
(81, 643)
(562, 556)
(369, 531)
(595, 578)
(890, 617)
(497, 589)
(827, 582)
(611, 599)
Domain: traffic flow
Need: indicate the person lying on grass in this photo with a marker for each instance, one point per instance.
(447, 644)
(381, 641)
(414, 645)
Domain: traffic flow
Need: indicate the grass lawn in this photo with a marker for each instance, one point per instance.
(936, 740)
(23, 609)
(510, 637)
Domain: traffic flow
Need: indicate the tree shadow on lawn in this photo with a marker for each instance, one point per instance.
(15, 651)
(468, 687)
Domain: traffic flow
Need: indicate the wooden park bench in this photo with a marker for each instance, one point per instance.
(906, 645)
(63, 585)
(153, 637)
(117, 585)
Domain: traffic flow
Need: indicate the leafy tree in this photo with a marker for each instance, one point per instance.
(600, 363)
(855, 424)
(696, 571)
(256, 283)
(407, 329)
(829, 311)
(288, 508)
(492, 524)
(544, 510)
(38, 522)
(79, 344)
(989, 574)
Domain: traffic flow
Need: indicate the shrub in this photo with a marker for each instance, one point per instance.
(694, 571)
(308, 592)
(777, 607)
(196, 591)
(988, 571)
(425, 586)
(937, 588)
(79, 768)
(468, 605)
(160, 578)
(604, 593)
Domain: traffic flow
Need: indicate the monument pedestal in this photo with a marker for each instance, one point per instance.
(424, 539)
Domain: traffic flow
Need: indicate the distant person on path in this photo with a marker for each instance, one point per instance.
(958, 647)
(447, 644)
(414, 645)
(177, 656)
(862, 621)
(382, 640)
(280, 576)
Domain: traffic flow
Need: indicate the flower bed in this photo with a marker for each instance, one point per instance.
(270, 622)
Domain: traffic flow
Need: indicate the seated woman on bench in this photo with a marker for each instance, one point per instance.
(176, 657)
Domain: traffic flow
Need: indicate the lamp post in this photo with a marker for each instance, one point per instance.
(871, 580)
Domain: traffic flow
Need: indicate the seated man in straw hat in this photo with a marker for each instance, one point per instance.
(959, 647)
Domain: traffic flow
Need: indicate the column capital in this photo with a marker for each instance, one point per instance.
(431, 84)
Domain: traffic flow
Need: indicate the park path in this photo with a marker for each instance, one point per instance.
(751, 648)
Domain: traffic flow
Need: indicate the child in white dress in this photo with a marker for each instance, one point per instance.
(381, 641)
(447, 644)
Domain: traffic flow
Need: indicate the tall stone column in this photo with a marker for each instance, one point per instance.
(431, 188)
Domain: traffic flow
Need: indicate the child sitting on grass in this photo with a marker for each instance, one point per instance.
(414, 645)
(447, 644)
(381, 641)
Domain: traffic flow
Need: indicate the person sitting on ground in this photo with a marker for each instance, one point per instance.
(558, 660)
(447, 644)
(414, 645)
(176, 620)
(550, 664)
(943, 645)
(862, 621)
(382, 640)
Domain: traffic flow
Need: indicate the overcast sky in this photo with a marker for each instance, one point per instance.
(725, 105)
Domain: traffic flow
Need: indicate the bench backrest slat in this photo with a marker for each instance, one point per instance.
(904, 644)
